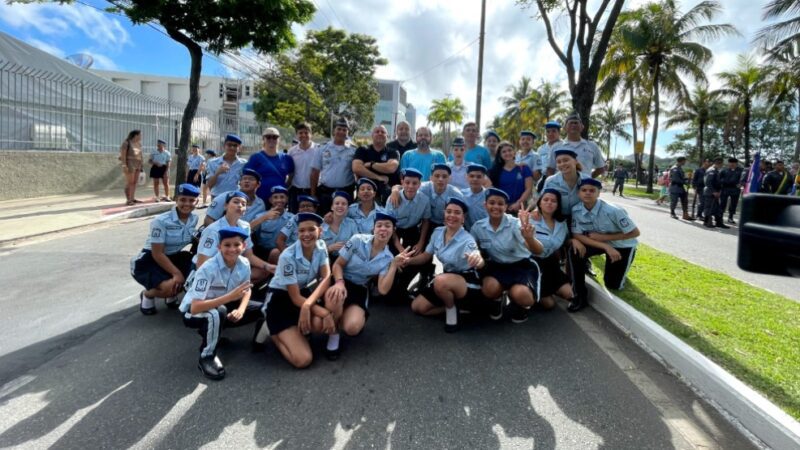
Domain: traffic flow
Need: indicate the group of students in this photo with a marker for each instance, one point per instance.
(316, 271)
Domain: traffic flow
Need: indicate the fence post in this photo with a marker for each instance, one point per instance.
(83, 117)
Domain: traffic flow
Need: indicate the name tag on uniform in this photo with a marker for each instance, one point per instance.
(486, 243)
(174, 227)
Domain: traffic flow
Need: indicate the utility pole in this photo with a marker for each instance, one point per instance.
(480, 66)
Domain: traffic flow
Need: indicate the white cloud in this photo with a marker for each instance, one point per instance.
(46, 47)
(101, 61)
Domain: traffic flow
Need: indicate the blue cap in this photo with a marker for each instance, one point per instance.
(307, 198)
(492, 133)
(440, 166)
(527, 133)
(367, 181)
(563, 152)
(161, 141)
(233, 194)
(302, 217)
(233, 138)
(411, 172)
(380, 215)
(342, 194)
(476, 168)
(592, 182)
(229, 232)
(211, 152)
(252, 173)
(492, 192)
(195, 146)
(188, 190)
(551, 191)
(459, 202)
(458, 142)
(552, 124)
(278, 189)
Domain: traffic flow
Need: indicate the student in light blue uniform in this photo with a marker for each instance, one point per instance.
(507, 243)
(193, 164)
(341, 228)
(292, 305)
(602, 228)
(526, 154)
(162, 266)
(363, 212)
(159, 170)
(288, 234)
(475, 194)
(552, 232)
(332, 168)
(459, 285)
(566, 180)
(458, 166)
(588, 153)
(219, 297)
(223, 172)
(362, 258)
(249, 184)
(439, 190)
(270, 223)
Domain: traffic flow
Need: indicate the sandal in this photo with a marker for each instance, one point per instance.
(129, 203)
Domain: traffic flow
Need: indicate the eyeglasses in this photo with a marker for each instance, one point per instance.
(270, 137)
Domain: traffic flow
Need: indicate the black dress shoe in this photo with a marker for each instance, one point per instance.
(211, 368)
(450, 328)
(731, 221)
(145, 311)
(673, 216)
(576, 304)
(332, 355)
(172, 302)
(722, 225)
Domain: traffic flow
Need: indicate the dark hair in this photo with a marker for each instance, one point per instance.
(133, 134)
(302, 126)
(557, 215)
(497, 167)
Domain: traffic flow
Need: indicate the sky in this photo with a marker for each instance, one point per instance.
(431, 45)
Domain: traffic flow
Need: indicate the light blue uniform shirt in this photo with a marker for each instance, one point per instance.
(589, 155)
(360, 267)
(335, 165)
(217, 208)
(414, 159)
(439, 201)
(161, 158)
(477, 206)
(214, 279)
(364, 222)
(506, 245)
(268, 230)
(347, 229)
(294, 268)
(290, 231)
(546, 155)
(603, 218)
(531, 160)
(209, 239)
(551, 239)
(195, 161)
(167, 229)
(410, 212)
(459, 176)
(452, 254)
(569, 196)
(228, 181)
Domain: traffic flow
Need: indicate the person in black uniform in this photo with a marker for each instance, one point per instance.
(698, 183)
(677, 189)
(712, 192)
(731, 178)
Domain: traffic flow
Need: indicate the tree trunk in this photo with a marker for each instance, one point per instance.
(700, 139)
(636, 166)
(747, 106)
(652, 162)
(583, 100)
(196, 53)
(797, 140)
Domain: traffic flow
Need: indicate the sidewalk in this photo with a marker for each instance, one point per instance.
(27, 218)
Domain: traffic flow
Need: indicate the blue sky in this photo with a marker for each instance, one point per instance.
(428, 46)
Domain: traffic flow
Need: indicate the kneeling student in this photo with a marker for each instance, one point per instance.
(268, 225)
(219, 297)
(288, 234)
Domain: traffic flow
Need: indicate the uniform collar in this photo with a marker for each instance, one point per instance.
(298, 251)
(596, 210)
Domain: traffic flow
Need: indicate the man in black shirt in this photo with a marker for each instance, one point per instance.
(378, 163)
(731, 178)
(403, 141)
(699, 183)
(777, 181)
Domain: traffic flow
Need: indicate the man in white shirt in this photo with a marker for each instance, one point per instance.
(303, 156)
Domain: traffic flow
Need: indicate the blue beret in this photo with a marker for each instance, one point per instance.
(476, 168)
(344, 195)
(278, 189)
(307, 198)
(458, 142)
(302, 217)
(459, 202)
(565, 151)
(410, 172)
(380, 215)
(492, 133)
(592, 182)
(252, 173)
(367, 181)
(188, 190)
(161, 141)
(229, 232)
(491, 192)
(211, 152)
(552, 124)
(552, 191)
(233, 194)
(440, 166)
(233, 138)
(574, 116)
(527, 133)
(195, 146)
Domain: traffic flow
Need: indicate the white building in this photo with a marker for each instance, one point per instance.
(393, 106)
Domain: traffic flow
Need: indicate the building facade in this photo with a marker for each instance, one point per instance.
(393, 106)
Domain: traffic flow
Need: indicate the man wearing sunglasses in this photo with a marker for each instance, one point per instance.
(276, 168)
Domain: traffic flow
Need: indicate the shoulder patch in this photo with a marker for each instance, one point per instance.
(156, 232)
(288, 270)
(202, 285)
(208, 242)
(624, 222)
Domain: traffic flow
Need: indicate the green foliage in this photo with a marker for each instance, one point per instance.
(445, 112)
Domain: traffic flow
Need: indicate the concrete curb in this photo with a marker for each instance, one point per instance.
(751, 410)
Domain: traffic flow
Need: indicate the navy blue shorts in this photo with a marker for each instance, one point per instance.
(281, 312)
(190, 178)
(157, 171)
(146, 271)
(552, 275)
(524, 271)
(470, 301)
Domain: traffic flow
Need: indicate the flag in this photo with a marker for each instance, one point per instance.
(754, 176)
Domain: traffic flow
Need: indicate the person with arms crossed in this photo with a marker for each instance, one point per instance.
(223, 172)
(332, 169)
(423, 157)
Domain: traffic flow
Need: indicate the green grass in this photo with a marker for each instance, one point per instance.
(753, 333)
(631, 191)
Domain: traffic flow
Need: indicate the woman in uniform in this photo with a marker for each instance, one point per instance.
(363, 211)
(341, 228)
(566, 180)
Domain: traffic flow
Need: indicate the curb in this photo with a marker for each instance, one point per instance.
(757, 415)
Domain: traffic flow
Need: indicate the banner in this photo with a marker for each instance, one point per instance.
(754, 176)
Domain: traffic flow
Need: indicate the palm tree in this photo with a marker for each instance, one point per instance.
(609, 121)
(784, 82)
(781, 36)
(744, 84)
(513, 103)
(544, 103)
(698, 108)
(443, 113)
(663, 40)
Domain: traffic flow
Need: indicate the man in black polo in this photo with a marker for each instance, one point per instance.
(403, 141)
(731, 178)
(378, 163)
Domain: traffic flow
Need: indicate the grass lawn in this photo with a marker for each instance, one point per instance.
(752, 333)
(640, 191)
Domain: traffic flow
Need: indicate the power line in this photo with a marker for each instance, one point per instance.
(444, 60)
(341, 22)
(319, 10)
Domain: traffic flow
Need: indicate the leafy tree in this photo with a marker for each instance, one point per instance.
(512, 103)
(744, 84)
(783, 83)
(781, 36)
(610, 121)
(698, 108)
(445, 112)
(546, 102)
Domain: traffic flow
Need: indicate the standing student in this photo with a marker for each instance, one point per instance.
(526, 153)
(303, 154)
(602, 228)
(341, 228)
(292, 306)
(204, 177)
(363, 212)
(223, 172)
(514, 179)
(378, 163)
(332, 169)
(162, 266)
(475, 194)
(159, 170)
(458, 167)
(219, 297)
(588, 153)
(130, 157)
(193, 164)
(456, 249)
(507, 242)
(552, 133)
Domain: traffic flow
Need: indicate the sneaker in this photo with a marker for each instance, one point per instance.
(496, 310)
(519, 314)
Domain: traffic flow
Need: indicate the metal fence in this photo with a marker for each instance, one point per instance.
(48, 111)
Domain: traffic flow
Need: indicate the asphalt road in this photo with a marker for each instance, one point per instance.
(81, 368)
(713, 248)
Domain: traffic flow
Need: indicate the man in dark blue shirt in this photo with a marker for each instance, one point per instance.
(276, 169)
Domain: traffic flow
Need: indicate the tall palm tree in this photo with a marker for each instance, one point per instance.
(513, 102)
(784, 82)
(609, 121)
(744, 84)
(545, 102)
(698, 108)
(784, 34)
(443, 113)
(665, 41)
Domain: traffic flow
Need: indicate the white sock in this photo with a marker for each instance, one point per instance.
(333, 341)
(148, 302)
(451, 315)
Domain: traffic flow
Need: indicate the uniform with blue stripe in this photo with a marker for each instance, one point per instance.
(360, 267)
(217, 208)
(294, 268)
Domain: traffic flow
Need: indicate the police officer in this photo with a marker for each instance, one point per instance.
(731, 178)
(475, 194)
(711, 193)
(698, 183)
(332, 169)
(620, 175)
(677, 189)
(223, 172)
